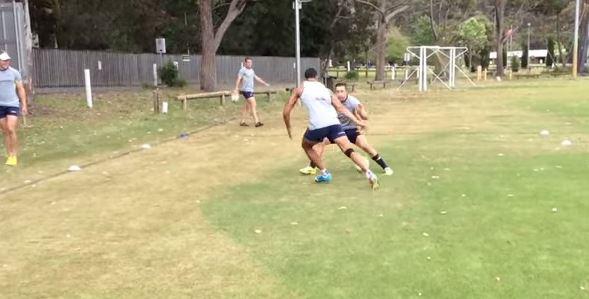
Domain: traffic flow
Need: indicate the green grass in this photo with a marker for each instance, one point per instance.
(467, 214)
(480, 205)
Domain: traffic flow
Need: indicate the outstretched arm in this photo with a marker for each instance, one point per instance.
(343, 110)
(360, 112)
(261, 81)
(288, 107)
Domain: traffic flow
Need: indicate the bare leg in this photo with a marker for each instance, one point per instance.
(245, 111)
(320, 149)
(9, 125)
(308, 147)
(5, 134)
(362, 143)
(344, 144)
(252, 102)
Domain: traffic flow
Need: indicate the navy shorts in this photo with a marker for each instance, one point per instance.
(332, 133)
(247, 94)
(4, 111)
(352, 134)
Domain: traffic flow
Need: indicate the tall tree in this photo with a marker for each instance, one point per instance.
(554, 8)
(473, 34)
(584, 36)
(384, 13)
(499, 36)
(211, 38)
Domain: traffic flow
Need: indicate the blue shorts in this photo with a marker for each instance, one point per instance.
(4, 111)
(247, 94)
(332, 133)
(352, 134)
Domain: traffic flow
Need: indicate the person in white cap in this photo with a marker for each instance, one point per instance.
(13, 102)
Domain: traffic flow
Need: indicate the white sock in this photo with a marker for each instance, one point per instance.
(369, 174)
(323, 171)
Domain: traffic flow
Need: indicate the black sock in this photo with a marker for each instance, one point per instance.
(380, 161)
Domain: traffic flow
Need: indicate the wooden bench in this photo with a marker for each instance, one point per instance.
(186, 97)
(222, 95)
(526, 76)
(384, 83)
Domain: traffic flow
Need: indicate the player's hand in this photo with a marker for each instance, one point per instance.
(24, 110)
(268, 84)
(362, 124)
(289, 133)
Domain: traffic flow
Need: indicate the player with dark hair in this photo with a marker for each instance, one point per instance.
(323, 108)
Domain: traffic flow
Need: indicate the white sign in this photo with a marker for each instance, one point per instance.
(407, 57)
(160, 45)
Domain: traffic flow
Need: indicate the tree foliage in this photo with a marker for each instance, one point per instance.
(331, 29)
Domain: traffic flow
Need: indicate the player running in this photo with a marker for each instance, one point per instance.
(324, 123)
(353, 133)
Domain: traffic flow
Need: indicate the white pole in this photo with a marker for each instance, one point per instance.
(423, 69)
(88, 88)
(452, 74)
(165, 107)
(576, 40)
(349, 66)
(393, 73)
(155, 74)
(298, 41)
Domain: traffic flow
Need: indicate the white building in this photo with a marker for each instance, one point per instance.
(534, 54)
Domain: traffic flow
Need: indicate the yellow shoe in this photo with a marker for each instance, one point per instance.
(11, 161)
(308, 170)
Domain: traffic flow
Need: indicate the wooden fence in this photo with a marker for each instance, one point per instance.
(65, 68)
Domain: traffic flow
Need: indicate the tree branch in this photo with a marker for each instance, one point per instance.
(376, 8)
(235, 8)
(392, 14)
(337, 17)
(396, 6)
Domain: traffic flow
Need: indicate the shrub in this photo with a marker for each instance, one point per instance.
(515, 64)
(169, 75)
(352, 76)
(525, 56)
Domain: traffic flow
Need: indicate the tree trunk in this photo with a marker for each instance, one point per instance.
(560, 55)
(385, 12)
(381, 47)
(208, 69)
(29, 49)
(584, 39)
(211, 39)
(499, 13)
(432, 21)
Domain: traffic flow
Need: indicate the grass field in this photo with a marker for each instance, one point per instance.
(480, 205)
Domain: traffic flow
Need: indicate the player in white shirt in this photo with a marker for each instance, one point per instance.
(323, 108)
(354, 134)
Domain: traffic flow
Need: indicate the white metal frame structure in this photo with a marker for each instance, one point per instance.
(423, 53)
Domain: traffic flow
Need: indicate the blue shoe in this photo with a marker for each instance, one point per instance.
(323, 178)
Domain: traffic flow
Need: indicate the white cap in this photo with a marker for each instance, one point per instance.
(4, 56)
